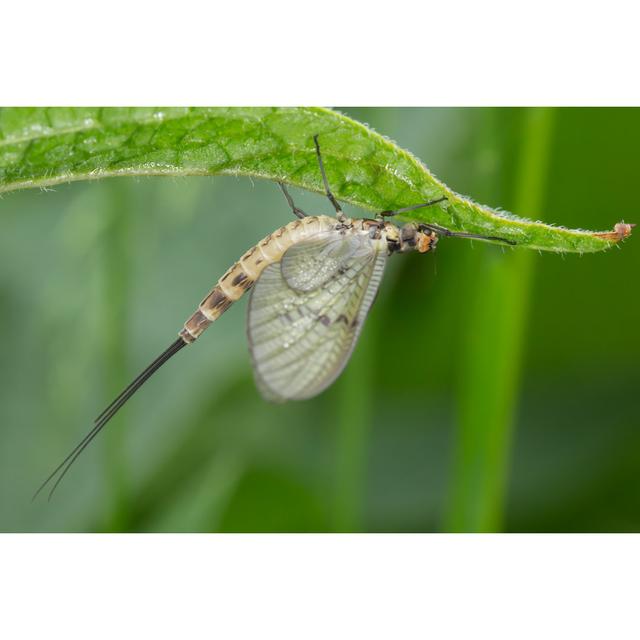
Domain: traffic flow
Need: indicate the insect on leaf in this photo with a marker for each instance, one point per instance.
(48, 146)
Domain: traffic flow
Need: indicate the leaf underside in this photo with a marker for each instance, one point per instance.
(41, 147)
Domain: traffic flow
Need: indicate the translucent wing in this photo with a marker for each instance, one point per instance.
(305, 314)
(309, 264)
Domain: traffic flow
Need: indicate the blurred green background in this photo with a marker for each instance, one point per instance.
(97, 278)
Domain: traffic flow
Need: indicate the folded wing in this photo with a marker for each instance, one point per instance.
(306, 312)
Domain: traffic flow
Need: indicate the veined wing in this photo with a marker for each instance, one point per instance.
(300, 337)
(309, 264)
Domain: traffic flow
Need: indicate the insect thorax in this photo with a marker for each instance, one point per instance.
(409, 237)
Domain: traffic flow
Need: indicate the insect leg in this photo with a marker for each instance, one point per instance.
(429, 203)
(340, 215)
(296, 211)
(455, 234)
(437, 228)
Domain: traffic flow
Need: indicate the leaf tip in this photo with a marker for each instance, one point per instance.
(621, 231)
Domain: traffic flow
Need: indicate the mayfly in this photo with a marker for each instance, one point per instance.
(312, 284)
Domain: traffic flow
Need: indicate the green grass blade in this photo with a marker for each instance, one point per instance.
(48, 146)
(491, 358)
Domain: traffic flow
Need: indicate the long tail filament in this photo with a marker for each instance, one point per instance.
(100, 422)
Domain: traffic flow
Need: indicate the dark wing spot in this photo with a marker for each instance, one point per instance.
(324, 319)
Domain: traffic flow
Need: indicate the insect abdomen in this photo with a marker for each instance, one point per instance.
(241, 276)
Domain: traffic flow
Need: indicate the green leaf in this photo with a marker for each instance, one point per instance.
(40, 147)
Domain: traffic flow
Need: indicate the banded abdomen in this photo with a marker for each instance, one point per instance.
(241, 276)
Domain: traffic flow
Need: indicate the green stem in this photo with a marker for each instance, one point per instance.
(492, 353)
